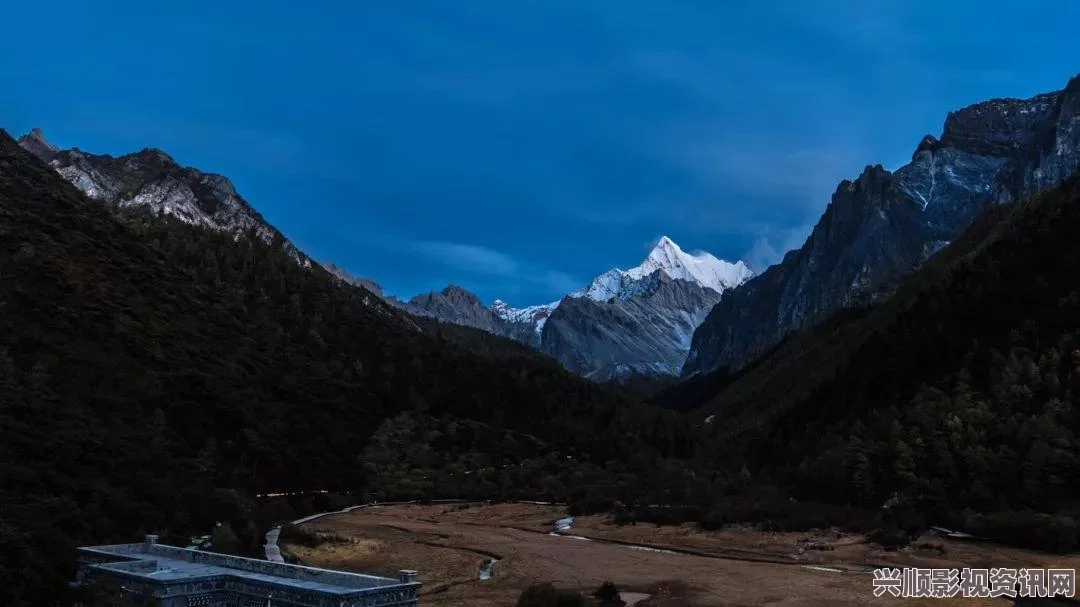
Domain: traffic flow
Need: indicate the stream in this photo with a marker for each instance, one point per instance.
(565, 524)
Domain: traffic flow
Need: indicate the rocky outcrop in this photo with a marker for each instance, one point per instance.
(153, 180)
(35, 143)
(883, 225)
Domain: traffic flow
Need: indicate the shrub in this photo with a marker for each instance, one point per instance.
(293, 534)
(223, 539)
(1051, 532)
(608, 595)
(545, 594)
(935, 546)
(890, 539)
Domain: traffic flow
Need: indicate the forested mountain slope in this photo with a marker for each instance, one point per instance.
(151, 371)
(960, 392)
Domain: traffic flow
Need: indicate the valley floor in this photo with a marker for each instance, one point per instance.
(450, 544)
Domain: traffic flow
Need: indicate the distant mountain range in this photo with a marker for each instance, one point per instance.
(625, 322)
(881, 226)
(682, 313)
(639, 320)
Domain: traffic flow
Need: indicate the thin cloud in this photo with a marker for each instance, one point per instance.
(484, 261)
(559, 281)
(720, 159)
(470, 257)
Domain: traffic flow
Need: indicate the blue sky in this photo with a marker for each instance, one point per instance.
(518, 148)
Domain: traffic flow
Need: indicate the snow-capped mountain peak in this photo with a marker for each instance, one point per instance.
(639, 320)
(701, 268)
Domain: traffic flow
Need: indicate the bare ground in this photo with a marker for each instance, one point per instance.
(743, 567)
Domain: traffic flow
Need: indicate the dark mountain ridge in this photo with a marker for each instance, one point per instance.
(958, 392)
(150, 178)
(881, 226)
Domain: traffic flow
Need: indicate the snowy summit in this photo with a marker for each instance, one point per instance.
(701, 268)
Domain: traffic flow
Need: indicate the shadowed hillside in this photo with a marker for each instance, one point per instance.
(153, 373)
(959, 392)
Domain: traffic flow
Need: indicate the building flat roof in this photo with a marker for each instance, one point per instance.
(169, 564)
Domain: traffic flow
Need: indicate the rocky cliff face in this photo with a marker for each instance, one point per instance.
(884, 224)
(647, 332)
(153, 180)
